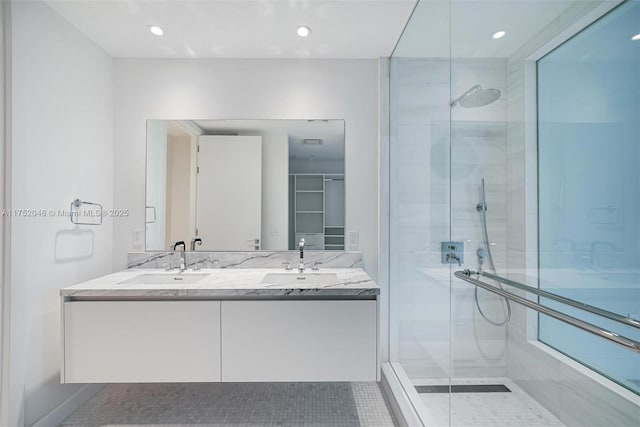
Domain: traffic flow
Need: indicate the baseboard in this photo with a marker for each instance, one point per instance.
(401, 407)
(69, 406)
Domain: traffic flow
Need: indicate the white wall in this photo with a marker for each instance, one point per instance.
(62, 149)
(248, 89)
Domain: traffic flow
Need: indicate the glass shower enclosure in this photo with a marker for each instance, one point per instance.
(514, 134)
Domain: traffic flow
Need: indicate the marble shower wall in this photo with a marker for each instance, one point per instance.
(436, 167)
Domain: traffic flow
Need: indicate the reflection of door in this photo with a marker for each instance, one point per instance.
(229, 181)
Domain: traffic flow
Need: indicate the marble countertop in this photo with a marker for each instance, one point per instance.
(225, 283)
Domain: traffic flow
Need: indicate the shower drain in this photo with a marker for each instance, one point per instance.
(463, 388)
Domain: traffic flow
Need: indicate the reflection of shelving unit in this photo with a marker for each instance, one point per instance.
(318, 202)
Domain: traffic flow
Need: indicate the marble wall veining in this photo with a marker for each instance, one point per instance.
(258, 259)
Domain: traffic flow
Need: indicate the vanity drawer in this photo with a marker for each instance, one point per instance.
(141, 341)
(329, 340)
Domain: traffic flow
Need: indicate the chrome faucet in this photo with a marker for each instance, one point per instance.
(194, 241)
(183, 255)
(455, 258)
(301, 265)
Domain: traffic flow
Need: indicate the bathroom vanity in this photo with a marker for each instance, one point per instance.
(221, 325)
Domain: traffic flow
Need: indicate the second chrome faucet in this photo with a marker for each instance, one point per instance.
(301, 265)
(183, 254)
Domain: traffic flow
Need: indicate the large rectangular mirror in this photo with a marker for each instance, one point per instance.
(245, 185)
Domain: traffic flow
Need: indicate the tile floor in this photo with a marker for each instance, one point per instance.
(236, 404)
(487, 409)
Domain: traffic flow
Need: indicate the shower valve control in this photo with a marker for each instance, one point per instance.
(452, 252)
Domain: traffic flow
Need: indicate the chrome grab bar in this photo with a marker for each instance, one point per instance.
(585, 326)
(628, 321)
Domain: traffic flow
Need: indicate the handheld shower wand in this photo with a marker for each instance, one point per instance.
(485, 252)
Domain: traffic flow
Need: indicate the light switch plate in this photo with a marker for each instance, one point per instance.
(137, 240)
(353, 240)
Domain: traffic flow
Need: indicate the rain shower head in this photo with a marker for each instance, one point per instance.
(477, 96)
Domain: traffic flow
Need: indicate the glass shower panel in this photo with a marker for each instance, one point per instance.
(515, 142)
(589, 148)
(419, 207)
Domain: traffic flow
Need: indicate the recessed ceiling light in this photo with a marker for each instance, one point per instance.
(636, 37)
(499, 34)
(156, 30)
(303, 31)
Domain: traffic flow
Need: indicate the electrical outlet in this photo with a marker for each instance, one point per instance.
(353, 240)
(137, 240)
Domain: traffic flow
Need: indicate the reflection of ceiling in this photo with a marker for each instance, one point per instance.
(473, 22)
(331, 132)
(240, 29)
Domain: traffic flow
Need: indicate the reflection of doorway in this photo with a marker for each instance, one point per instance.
(181, 176)
(229, 192)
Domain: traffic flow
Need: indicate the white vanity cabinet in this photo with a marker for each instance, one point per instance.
(208, 340)
(267, 341)
(141, 341)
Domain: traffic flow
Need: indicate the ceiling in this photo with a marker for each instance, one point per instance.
(240, 28)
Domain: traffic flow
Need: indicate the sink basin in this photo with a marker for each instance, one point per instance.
(165, 279)
(300, 279)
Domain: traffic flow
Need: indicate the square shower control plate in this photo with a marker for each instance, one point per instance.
(452, 253)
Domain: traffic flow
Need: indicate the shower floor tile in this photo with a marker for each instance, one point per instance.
(236, 404)
(487, 409)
